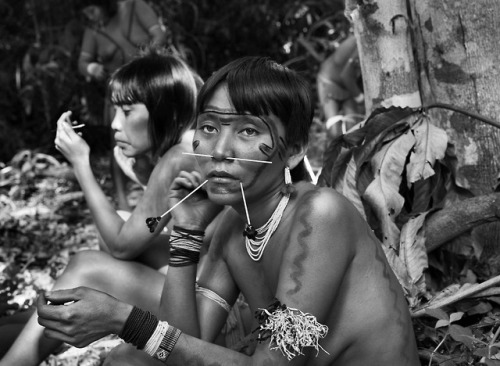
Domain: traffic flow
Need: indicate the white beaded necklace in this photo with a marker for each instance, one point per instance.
(255, 247)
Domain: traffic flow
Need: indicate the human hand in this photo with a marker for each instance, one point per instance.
(137, 169)
(96, 70)
(68, 142)
(88, 316)
(196, 212)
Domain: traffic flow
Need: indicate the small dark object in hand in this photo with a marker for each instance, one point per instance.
(152, 223)
(250, 232)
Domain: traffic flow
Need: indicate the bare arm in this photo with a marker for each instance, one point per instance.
(179, 300)
(88, 64)
(123, 239)
(149, 20)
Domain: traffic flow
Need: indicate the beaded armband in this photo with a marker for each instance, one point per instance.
(185, 246)
(289, 329)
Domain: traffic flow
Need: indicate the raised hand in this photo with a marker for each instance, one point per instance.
(81, 316)
(197, 211)
(68, 142)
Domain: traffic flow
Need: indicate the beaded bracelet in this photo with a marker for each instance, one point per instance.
(185, 246)
(146, 332)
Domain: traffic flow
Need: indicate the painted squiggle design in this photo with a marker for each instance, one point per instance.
(393, 288)
(302, 238)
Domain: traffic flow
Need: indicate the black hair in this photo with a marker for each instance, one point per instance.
(261, 86)
(167, 86)
(110, 6)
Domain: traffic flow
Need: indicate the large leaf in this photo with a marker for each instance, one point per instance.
(413, 253)
(431, 144)
(349, 189)
(383, 193)
(363, 141)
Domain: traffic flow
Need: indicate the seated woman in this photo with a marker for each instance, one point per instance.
(307, 262)
(154, 96)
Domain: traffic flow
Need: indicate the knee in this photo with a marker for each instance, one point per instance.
(87, 264)
(124, 355)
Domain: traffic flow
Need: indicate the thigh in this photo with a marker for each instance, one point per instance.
(127, 355)
(129, 281)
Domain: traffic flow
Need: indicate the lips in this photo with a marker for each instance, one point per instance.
(221, 177)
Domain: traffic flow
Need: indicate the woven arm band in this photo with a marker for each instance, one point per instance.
(147, 333)
(185, 246)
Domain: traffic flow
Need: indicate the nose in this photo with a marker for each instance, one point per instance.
(116, 123)
(224, 146)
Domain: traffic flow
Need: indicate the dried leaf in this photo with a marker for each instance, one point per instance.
(412, 251)
(431, 144)
(383, 193)
(349, 189)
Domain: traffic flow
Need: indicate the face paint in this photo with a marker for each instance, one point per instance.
(233, 148)
(249, 133)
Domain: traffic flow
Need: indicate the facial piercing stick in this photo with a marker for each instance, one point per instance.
(152, 222)
(204, 155)
(250, 231)
(252, 160)
(242, 159)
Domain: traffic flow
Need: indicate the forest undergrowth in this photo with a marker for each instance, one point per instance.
(44, 220)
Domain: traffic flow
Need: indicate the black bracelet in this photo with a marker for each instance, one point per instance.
(139, 327)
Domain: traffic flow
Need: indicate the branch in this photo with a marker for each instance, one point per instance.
(459, 295)
(463, 111)
(459, 218)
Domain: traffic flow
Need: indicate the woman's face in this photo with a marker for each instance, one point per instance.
(227, 136)
(130, 127)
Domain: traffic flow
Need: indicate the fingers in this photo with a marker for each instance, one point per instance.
(188, 180)
(56, 298)
(60, 297)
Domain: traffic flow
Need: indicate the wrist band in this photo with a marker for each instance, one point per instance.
(185, 246)
(139, 327)
(167, 344)
(91, 67)
(156, 338)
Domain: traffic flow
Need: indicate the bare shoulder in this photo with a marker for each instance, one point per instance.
(174, 160)
(324, 204)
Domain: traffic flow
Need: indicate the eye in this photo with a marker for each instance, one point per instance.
(208, 129)
(250, 131)
(126, 110)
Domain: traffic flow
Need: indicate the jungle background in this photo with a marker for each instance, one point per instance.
(44, 220)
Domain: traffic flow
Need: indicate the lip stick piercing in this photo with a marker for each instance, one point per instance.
(250, 232)
(152, 222)
(242, 159)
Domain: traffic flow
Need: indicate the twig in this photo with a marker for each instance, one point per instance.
(459, 295)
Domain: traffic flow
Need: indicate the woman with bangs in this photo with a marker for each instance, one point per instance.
(154, 97)
(308, 264)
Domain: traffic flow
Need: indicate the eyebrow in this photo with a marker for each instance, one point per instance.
(226, 114)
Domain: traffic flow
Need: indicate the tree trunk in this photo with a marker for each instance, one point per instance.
(424, 52)
(458, 55)
(383, 33)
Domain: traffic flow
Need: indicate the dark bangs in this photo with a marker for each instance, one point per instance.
(125, 91)
(260, 86)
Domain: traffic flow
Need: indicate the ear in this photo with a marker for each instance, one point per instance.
(296, 153)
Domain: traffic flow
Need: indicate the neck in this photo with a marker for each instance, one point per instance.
(261, 209)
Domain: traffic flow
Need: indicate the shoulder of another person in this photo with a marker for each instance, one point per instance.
(174, 160)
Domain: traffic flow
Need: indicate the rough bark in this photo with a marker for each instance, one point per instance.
(383, 34)
(458, 57)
